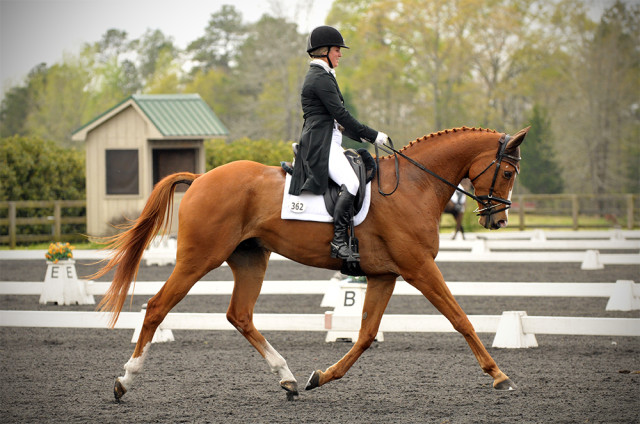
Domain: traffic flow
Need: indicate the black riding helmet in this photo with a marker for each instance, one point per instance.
(324, 36)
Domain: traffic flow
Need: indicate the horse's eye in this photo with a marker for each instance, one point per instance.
(508, 174)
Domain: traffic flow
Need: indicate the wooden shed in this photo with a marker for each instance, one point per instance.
(133, 145)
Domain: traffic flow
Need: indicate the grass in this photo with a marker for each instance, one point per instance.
(548, 222)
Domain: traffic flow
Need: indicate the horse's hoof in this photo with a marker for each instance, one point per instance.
(291, 387)
(505, 385)
(118, 390)
(314, 381)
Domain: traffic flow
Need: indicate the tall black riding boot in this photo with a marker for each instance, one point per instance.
(342, 216)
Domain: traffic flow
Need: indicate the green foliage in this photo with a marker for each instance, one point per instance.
(271, 66)
(222, 38)
(217, 89)
(17, 104)
(539, 171)
(153, 49)
(14, 111)
(34, 169)
(60, 101)
(268, 152)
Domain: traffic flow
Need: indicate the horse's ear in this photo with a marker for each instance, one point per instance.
(518, 138)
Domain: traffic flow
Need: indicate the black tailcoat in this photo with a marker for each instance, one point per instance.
(322, 103)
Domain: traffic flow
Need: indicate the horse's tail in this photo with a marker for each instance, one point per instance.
(129, 245)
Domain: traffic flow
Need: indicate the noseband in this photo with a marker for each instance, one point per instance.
(488, 208)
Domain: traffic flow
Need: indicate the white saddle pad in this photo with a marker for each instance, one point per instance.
(310, 207)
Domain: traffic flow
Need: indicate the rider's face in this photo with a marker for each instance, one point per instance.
(334, 55)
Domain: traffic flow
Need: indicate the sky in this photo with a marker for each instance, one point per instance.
(36, 31)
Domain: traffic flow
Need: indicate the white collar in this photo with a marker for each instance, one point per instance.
(325, 65)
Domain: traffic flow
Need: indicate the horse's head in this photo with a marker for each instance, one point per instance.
(493, 175)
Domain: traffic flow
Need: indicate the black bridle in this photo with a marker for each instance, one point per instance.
(488, 207)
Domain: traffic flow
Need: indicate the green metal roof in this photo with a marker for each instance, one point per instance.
(174, 115)
(177, 115)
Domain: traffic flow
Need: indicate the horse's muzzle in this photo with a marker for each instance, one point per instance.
(493, 221)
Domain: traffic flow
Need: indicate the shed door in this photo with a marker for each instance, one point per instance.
(170, 161)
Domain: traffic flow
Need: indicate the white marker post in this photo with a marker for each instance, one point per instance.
(348, 312)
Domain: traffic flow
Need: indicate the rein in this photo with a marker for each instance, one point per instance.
(485, 201)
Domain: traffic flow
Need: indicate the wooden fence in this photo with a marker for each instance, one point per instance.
(10, 220)
(577, 210)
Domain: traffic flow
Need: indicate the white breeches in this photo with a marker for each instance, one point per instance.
(340, 170)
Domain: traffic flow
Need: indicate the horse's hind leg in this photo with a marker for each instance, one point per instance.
(379, 291)
(172, 292)
(249, 265)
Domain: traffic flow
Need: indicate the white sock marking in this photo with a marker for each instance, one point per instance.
(277, 363)
(133, 367)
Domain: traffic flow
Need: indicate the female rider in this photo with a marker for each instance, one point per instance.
(320, 154)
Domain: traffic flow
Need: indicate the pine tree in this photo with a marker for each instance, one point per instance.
(540, 172)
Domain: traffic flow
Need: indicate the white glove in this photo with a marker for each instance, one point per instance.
(381, 139)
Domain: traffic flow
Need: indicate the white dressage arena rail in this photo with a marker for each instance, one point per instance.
(513, 329)
(318, 322)
(623, 295)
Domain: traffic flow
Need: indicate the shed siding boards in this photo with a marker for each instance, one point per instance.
(142, 123)
(123, 131)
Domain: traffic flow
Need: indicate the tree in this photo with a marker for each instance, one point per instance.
(504, 33)
(165, 77)
(14, 111)
(58, 102)
(114, 74)
(34, 169)
(540, 173)
(16, 104)
(271, 66)
(222, 39)
(376, 70)
(217, 89)
(268, 152)
(436, 58)
(598, 108)
(113, 44)
(153, 49)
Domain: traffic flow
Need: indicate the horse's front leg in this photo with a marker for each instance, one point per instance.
(379, 291)
(431, 284)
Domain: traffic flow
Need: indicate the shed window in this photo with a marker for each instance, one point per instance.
(122, 171)
(170, 161)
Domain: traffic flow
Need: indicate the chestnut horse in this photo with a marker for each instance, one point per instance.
(232, 214)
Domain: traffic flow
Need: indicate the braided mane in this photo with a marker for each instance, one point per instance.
(439, 134)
